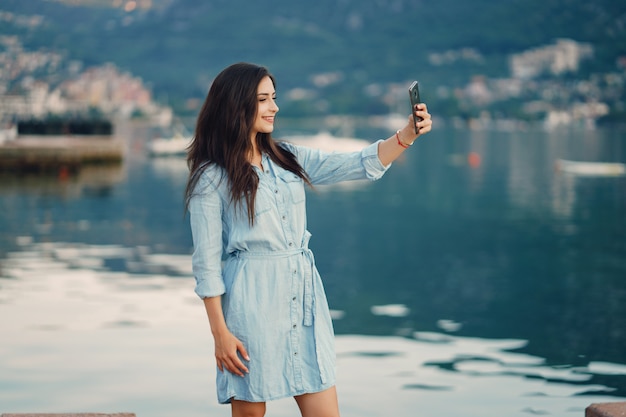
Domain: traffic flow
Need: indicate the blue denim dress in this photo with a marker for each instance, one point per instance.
(272, 294)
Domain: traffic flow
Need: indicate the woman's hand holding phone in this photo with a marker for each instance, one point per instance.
(414, 97)
(421, 119)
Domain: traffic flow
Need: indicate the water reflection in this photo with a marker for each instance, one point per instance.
(142, 338)
(172, 168)
(90, 179)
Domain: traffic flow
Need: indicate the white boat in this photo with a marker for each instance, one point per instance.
(169, 146)
(8, 134)
(591, 168)
(327, 142)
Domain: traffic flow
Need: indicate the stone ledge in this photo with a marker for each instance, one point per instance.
(606, 410)
(69, 415)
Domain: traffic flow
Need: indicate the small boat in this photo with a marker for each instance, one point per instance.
(329, 143)
(8, 133)
(169, 146)
(591, 168)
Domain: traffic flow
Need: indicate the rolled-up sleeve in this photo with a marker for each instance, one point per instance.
(332, 167)
(373, 167)
(205, 218)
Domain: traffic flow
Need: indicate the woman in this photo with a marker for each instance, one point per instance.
(266, 303)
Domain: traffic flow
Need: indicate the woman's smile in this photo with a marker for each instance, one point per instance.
(266, 108)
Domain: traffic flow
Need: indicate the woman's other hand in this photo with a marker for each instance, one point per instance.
(228, 353)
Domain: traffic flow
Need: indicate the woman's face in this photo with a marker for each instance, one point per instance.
(266, 108)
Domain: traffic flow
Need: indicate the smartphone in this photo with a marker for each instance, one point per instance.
(414, 96)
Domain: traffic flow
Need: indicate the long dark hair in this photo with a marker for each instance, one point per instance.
(222, 135)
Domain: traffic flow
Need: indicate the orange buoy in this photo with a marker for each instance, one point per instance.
(473, 159)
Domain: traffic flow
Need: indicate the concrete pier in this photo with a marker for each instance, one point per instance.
(45, 154)
(606, 410)
(71, 415)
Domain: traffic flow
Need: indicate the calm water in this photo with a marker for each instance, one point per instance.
(473, 279)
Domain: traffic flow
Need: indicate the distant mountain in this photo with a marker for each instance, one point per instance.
(180, 46)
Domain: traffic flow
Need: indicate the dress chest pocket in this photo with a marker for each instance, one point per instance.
(263, 200)
(295, 185)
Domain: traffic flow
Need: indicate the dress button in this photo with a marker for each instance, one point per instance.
(290, 244)
(276, 191)
(284, 217)
(294, 326)
(293, 299)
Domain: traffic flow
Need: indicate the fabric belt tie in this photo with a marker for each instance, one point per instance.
(309, 272)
